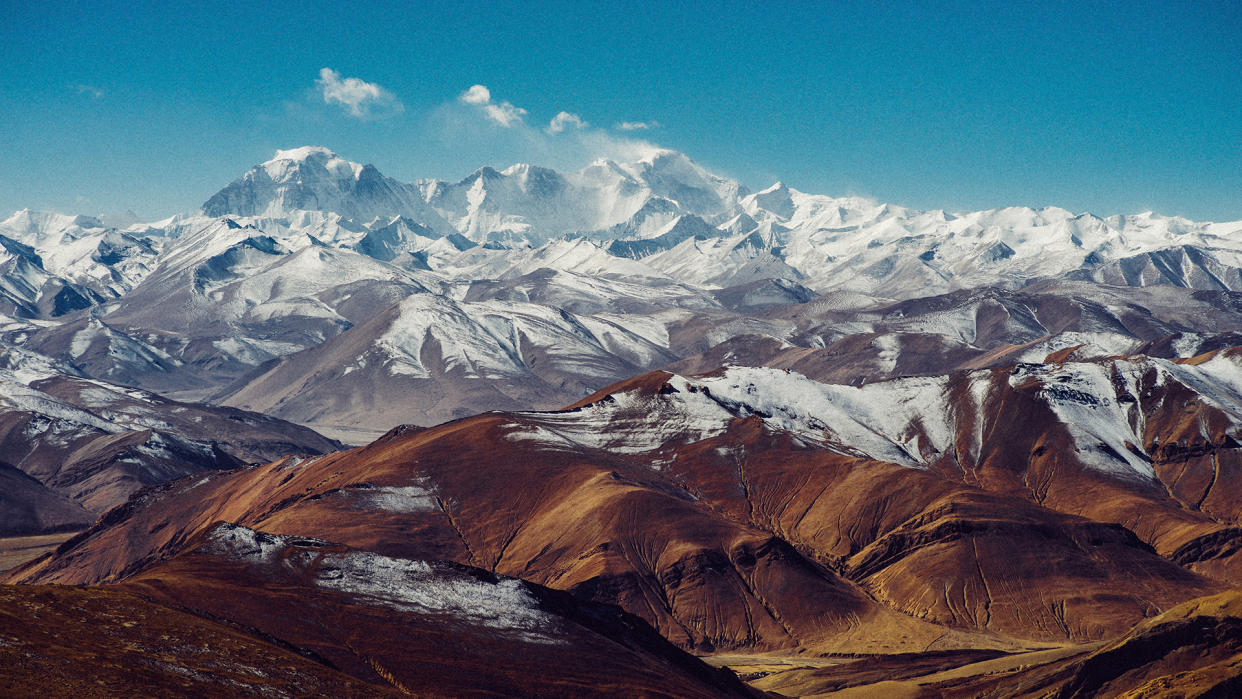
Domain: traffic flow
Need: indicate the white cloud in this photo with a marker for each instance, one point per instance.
(599, 143)
(503, 113)
(94, 92)
(468, 126)
(477, 94)
(637, 125)
(565, 120)
(363, 100)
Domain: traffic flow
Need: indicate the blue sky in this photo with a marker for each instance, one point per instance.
(1111, 107)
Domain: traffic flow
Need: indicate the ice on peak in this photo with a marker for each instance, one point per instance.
(304, 153)
(641, 157)
(604, 163)
(607, 168)
(485, 172)
(295, 163)
(1058, 212)
(777, 199)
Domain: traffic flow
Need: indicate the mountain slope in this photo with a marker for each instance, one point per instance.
(662, 496)
(295, 615)
(452, 358)
(73, 448)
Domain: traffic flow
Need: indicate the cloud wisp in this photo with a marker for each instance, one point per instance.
(637, 125)
(565, 120)
(359, 98)
(95, 93)
(479, 126)
(503, 112)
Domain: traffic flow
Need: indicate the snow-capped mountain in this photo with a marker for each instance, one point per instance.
(289, 278)
(523, 201)
(1116, 413)
(677, 218)
(316, 179)
(660, 216)
(55, 264)
(456, 356)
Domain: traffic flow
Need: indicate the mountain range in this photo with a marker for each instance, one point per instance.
(619, 417)
(545, 286)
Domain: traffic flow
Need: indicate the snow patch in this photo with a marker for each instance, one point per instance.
(1085, 399)
(905, 421)
(420, 587)
(410, 499)
(244, 544)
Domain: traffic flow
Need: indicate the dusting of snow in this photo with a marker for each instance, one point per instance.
(82, 340)
(882, 420)
(628, 423)
(908, 421)
(889, 347)
(244, 544)
(488, 339)
(1084, 397)
(540, 435)
(1187, 344)
(1217, 381)
(889, 421)
(416, 586)
(1091, 345)
(14, 393)
(411, 499)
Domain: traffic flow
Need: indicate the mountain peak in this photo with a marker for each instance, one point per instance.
(777, 199)
(295, 162)
(310, 178)
(485, 173)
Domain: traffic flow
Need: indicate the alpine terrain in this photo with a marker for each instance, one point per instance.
(629, 430)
